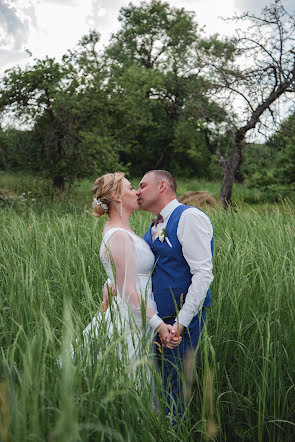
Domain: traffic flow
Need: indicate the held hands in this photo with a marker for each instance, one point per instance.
(170, 335)
(177, 328)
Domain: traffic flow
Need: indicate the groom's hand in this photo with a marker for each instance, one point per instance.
(174, 338)
(164, 331)
(167, 336)
(177, 328)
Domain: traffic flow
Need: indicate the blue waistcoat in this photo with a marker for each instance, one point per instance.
(171, 276)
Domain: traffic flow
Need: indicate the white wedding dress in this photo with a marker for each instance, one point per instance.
(125, 319)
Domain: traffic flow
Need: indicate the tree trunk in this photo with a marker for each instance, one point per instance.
(227, 184)
(3, 158)
(231, 166)
(59, 183)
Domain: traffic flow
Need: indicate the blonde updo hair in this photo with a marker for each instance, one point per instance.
(103, 189)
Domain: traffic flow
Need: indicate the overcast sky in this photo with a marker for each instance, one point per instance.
(51, 27)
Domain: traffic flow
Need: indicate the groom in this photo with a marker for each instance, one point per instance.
(181, 239)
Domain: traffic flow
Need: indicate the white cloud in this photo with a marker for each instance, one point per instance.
(12, 58)
(251, 5)
(258, 5)
(16, 22)
(63, 2)
(60, 27)
(51, 27)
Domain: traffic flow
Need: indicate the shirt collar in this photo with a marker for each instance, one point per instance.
(167, 210)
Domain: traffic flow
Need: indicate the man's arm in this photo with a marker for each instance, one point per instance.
(195, 233)
(165, 331)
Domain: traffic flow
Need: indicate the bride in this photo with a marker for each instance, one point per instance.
(128, 262)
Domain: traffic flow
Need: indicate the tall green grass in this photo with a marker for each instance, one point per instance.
(51, 279)
(252, 324)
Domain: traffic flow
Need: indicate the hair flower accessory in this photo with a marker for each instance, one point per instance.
(98, 202)
(162, 235)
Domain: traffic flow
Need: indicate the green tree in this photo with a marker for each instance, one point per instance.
(271, 166)
(283, 142)
(3, 149)
(17, 146)
(64, 103)
(162, 90)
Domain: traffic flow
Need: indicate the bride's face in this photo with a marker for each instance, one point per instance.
(129, 197)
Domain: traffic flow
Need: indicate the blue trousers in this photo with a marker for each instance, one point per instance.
(170, 363)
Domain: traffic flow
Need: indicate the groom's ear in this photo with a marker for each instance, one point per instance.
(163, 186)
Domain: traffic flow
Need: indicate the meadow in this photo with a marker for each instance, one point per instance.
(243, 388)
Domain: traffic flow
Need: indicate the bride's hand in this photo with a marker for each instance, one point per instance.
(105, 300)
(105, 296)
(167, 336)
(173, 339)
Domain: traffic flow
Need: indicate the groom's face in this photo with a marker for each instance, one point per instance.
(148, 193)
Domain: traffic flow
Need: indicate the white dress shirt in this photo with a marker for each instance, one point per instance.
(194, 233)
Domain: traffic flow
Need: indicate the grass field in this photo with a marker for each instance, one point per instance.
(51, 280)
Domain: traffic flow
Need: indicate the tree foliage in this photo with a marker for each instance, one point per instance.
(163, 88)
(161, 95)
(145, 102)
(284, 142)
(66, 113)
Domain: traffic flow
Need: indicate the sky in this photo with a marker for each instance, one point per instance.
(31, 29)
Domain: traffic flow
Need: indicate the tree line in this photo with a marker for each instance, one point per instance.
(160, 95)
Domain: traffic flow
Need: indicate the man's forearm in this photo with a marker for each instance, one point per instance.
(195, 297)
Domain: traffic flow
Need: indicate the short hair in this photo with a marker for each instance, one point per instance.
(167, 176)
(104, 187)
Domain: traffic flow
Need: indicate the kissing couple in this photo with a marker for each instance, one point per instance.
(175, 254)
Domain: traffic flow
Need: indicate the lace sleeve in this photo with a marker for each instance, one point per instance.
(120, 253)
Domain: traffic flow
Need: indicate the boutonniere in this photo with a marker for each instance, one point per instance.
(162, 235)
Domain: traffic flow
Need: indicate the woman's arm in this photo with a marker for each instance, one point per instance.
(121, 255)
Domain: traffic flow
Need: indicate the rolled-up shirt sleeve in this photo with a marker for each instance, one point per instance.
(195, 233)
